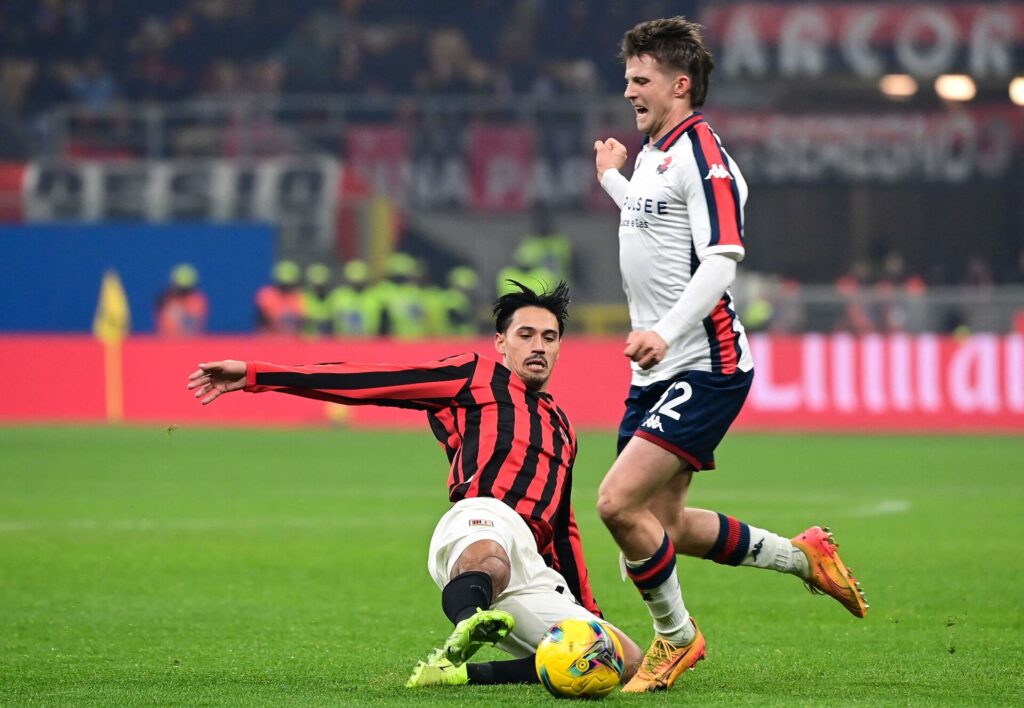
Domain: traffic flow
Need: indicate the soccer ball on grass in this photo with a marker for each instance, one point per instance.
(579, 659)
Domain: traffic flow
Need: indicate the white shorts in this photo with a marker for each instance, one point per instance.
(537, 596)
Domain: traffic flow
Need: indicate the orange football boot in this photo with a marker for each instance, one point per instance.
(828, 574)
(664, 662)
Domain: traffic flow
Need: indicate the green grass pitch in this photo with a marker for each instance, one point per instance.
(287, 567)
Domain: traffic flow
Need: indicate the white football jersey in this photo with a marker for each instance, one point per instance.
(684, 203)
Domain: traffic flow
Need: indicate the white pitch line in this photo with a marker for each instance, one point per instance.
(883, 508)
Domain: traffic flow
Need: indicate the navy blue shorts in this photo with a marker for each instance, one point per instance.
(687, 415)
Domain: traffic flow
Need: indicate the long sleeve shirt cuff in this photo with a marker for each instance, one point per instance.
(250, 376)
(615, 185)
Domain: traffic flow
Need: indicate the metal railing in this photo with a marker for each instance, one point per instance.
(258, 125)
(822, 308)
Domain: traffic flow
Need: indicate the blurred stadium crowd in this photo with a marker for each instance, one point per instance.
(872, 209)
(99, 51)
(406, 301)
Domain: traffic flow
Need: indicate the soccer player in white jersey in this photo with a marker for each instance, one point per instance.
(680, 238)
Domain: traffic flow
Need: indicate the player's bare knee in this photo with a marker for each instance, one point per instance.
(613, 512)
(485, 557)
(500, 570)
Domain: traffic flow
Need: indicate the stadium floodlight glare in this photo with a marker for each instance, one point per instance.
(898, 85)
(955, 87)
(1017, 91)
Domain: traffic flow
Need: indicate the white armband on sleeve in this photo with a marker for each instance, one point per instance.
(707, 285)
(615, 184)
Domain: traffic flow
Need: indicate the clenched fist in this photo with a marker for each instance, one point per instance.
(609, 153)
(645, 348)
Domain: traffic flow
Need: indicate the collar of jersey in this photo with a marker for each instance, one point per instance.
(669, 139)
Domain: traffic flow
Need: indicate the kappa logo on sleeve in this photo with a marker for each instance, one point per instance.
(481, 522)
(717, 171)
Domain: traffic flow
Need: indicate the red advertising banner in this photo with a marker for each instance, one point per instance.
(888, 383)
(52, 378)
(12, 185)
(815, 39)
(500, 167)
(378, 155)
(951, 147)
(893, 383)
(875, 23)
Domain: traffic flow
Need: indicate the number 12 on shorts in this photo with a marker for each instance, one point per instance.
(667, 406)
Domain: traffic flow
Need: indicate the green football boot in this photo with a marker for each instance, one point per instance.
(437, 671)
(484, 627)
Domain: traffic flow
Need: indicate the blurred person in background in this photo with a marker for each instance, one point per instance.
(507, 556)
(280, 306)
(1017, 318)
(450, 66)
(355, 305)
(182, 308)
(978, 274)
(899, 306)
(94, 85)
(310, 54)
(975, 310)
(855, 314)
(552, 248)
(458, 302)
(402, 298)
(680, 238)
(759, 314)
(788, 307)
(518, 66)
(317, 300)
(150, 72)
(528, 268)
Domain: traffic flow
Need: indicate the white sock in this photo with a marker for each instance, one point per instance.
(769, 550)
(665, 603)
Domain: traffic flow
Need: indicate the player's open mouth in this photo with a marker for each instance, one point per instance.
(640, 110)
(536, 364)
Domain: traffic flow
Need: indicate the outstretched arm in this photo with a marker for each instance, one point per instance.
(427, 386)
(215, 378)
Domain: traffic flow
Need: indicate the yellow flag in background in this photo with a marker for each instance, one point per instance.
(383, 224)
(111, 325)
(113, 318)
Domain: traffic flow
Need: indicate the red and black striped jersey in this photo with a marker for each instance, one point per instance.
(502, 439)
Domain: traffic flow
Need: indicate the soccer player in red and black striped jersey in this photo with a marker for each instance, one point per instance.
(508, 555)
(681, 236)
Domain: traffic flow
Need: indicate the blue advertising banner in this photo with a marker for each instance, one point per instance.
(50, 274)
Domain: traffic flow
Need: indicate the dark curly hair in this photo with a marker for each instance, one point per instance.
(677, 43)
(556, 301)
